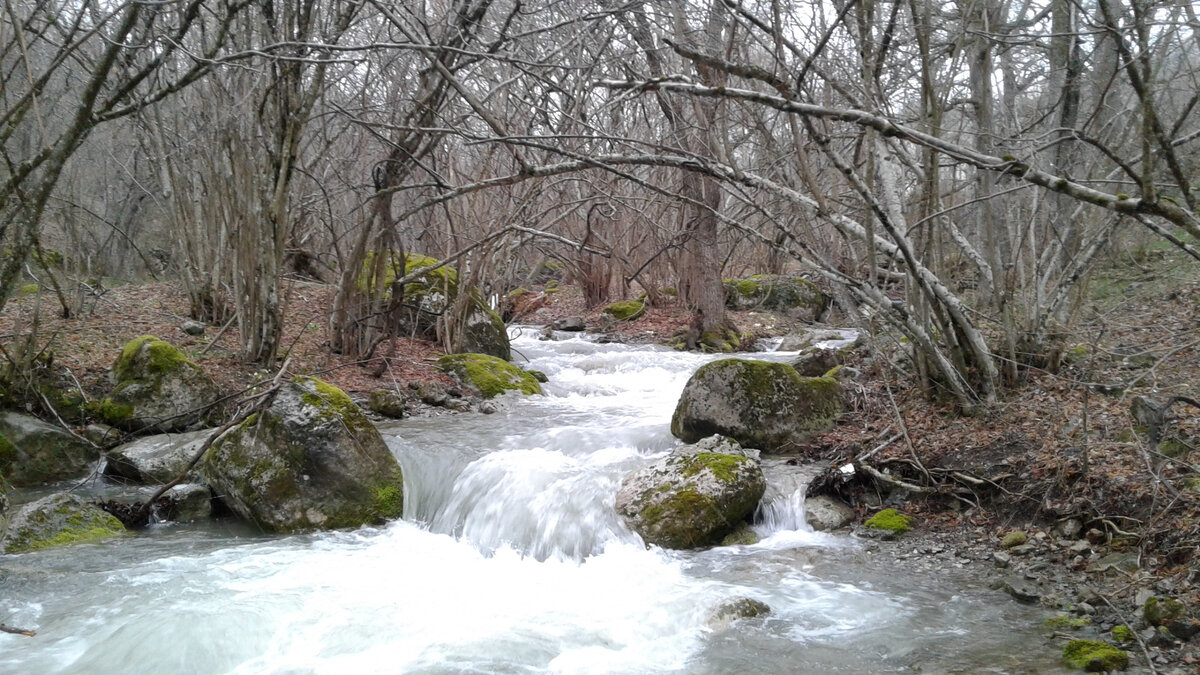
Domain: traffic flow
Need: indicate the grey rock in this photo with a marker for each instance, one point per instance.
(312, 460)
(33, 452)
(570, 323)
(1002, 559)
(729, 611)
(1069, 528)
(193, 328)
(817, 362)
(1022, 590)
(102, 435)
(762, 405)
(193, 502)
(58, 520)
(155, 459)
(825, 513)
(1023, 549)
(807, 339)
(690, 498)
(432, 393)
(488, 408)
(458, 405)
(387, 403)
(1121, 562)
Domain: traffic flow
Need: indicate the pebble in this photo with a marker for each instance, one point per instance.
(1001, 559)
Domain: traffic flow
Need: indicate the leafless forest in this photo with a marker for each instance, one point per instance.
(952, 171)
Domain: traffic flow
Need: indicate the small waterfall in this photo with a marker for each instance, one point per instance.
(782, 505)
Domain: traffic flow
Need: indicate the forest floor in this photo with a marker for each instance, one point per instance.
(1061, 457)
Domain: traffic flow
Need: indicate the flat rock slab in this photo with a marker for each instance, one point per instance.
(155, 459)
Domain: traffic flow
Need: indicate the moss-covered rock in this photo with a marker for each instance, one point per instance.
(691, 498)
(387, 403)
(488, 375)
(311, 461)
(33, 452)
(1094, 657)
(157, 388)
(737, 608)
(761, 405)
(1015, 538)
(625, 310)
(430, 295)
(1161, 611)
(59, 520)
(795, 296)
(1122, 634)
(890, 520)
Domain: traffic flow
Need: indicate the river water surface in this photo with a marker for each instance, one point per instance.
(510, 559)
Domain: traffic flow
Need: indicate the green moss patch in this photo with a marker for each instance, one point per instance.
(626, 310)
(1014, 539)
(1062, 623)
(890, 520)
(1094, 657)
(1122, 634)
(488, 375)
(160, 357)
(724, 467)
(1158, 611)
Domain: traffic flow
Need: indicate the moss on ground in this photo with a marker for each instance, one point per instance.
(1094, 657)
(890, 520)
(1060, 623)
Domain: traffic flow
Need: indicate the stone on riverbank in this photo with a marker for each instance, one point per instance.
(310, 461)
(824, 513)
(58, 520)
(760, 404)
(33, 452)
(691, 498)
(488, 375)
(156, 388)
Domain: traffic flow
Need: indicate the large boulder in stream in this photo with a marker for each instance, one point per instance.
(310, 461)
(434, 293)
(487, 375)
(155, 459)
(157, 388)
(33, 452)
(693, 497)
(58, 520)
(762, 405)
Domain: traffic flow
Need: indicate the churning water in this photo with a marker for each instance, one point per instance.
(510, 559)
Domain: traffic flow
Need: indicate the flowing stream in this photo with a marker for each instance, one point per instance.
(510, 559)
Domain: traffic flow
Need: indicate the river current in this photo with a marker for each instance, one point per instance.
(510, 559)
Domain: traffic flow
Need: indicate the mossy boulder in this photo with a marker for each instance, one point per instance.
(1094, 657)
(431, 295)
(310, 461)
(58, 520)
(1014, 538)
(625, 310)
(488, 375)
(736, 608)
(156, 388)
(760, 404)
(386, 402)
(1162, 611)
(33, 452)
(155, 459)
(691, 498)
(795, 296)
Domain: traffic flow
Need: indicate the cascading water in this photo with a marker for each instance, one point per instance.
(510, 559)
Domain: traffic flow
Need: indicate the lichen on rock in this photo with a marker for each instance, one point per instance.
(312, 460)
(488, 375)
(760, 404)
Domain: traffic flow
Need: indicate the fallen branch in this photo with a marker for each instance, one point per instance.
(880, 476)
(17, 631)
